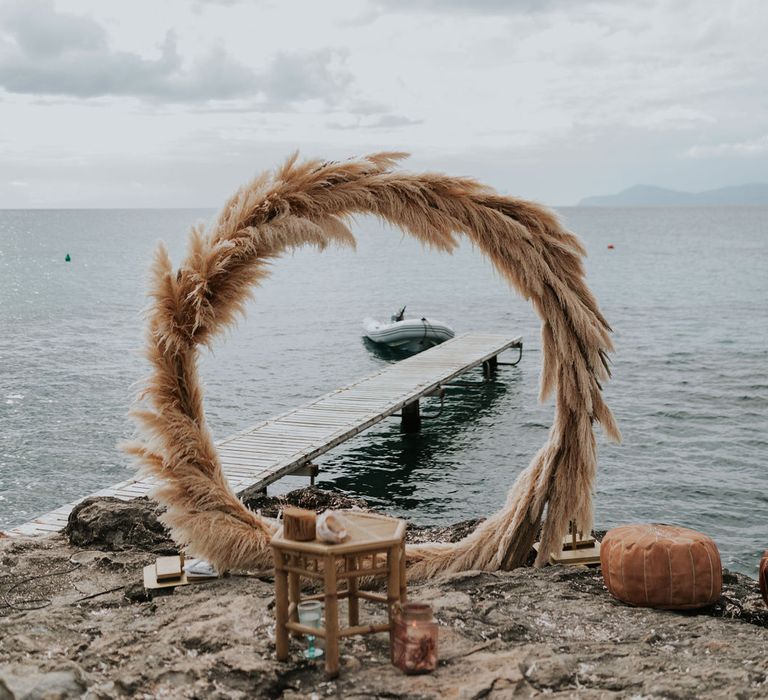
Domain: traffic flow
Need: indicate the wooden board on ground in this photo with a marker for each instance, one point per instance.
(151, 581)
(581, 542)
(169, 567)
(581, 556)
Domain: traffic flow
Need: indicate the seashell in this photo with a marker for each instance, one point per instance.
(332, 527)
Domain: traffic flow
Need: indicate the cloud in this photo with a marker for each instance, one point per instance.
(384, 121)
(740, 149)
(367, 13)
(671, 117)
(39, 30)
(319, 74)
(46, 52)
(473, 6)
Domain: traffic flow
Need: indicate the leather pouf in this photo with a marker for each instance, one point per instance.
(661, 566)
(764, 576)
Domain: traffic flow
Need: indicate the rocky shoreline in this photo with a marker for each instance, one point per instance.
(89, 629)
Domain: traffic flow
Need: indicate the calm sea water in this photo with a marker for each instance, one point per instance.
(685, 290)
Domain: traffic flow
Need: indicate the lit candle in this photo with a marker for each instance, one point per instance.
(415, 644)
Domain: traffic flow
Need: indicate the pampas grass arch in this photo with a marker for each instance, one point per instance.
(307, 203)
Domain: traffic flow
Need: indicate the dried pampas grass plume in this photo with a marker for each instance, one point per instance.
(308, 203)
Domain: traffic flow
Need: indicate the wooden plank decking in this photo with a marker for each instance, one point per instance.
(275, 448)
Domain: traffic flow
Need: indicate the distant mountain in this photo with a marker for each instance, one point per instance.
(752, 195)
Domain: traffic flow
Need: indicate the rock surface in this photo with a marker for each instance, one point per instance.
(314, 498)
(311, 498)
(115, 525)
(523, 633)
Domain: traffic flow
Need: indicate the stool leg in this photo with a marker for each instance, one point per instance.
(281, 607)
(331, 619)
(393, 593)
(293, 592)
(354, 608)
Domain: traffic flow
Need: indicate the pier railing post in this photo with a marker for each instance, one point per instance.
(410, 421)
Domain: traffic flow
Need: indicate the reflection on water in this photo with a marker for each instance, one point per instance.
(383, 352)
(407, 471)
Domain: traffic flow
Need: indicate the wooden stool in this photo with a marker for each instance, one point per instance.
(375, 548)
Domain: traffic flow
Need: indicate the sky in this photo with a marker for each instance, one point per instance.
(177, 103)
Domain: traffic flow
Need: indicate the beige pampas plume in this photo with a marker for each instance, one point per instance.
(307, 203)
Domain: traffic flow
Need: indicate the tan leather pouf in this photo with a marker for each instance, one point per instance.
(661, 566)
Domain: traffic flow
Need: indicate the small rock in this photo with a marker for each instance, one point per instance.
(652, 638)
(351, 663)
(417, 534)
(554, 672)
(116, 525)
(136, 593)
(28, 684)
(311, 498)
(456, 600)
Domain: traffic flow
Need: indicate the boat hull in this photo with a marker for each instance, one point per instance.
(410, 335)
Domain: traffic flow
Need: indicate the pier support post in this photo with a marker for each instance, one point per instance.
(410, 421)
(490, 366)
(310, 469)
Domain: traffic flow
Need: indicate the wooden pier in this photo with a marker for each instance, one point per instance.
(287, 444)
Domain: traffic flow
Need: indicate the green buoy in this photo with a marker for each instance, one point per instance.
(67, 258)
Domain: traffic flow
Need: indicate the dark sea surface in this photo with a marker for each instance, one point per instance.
(686, 291)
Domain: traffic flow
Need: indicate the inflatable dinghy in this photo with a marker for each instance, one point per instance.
(409, 334)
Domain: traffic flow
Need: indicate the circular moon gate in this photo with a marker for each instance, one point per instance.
(306, 203)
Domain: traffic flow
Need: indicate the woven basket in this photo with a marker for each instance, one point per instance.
(661, 566)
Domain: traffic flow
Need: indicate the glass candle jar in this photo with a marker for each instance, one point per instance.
(415, 642)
